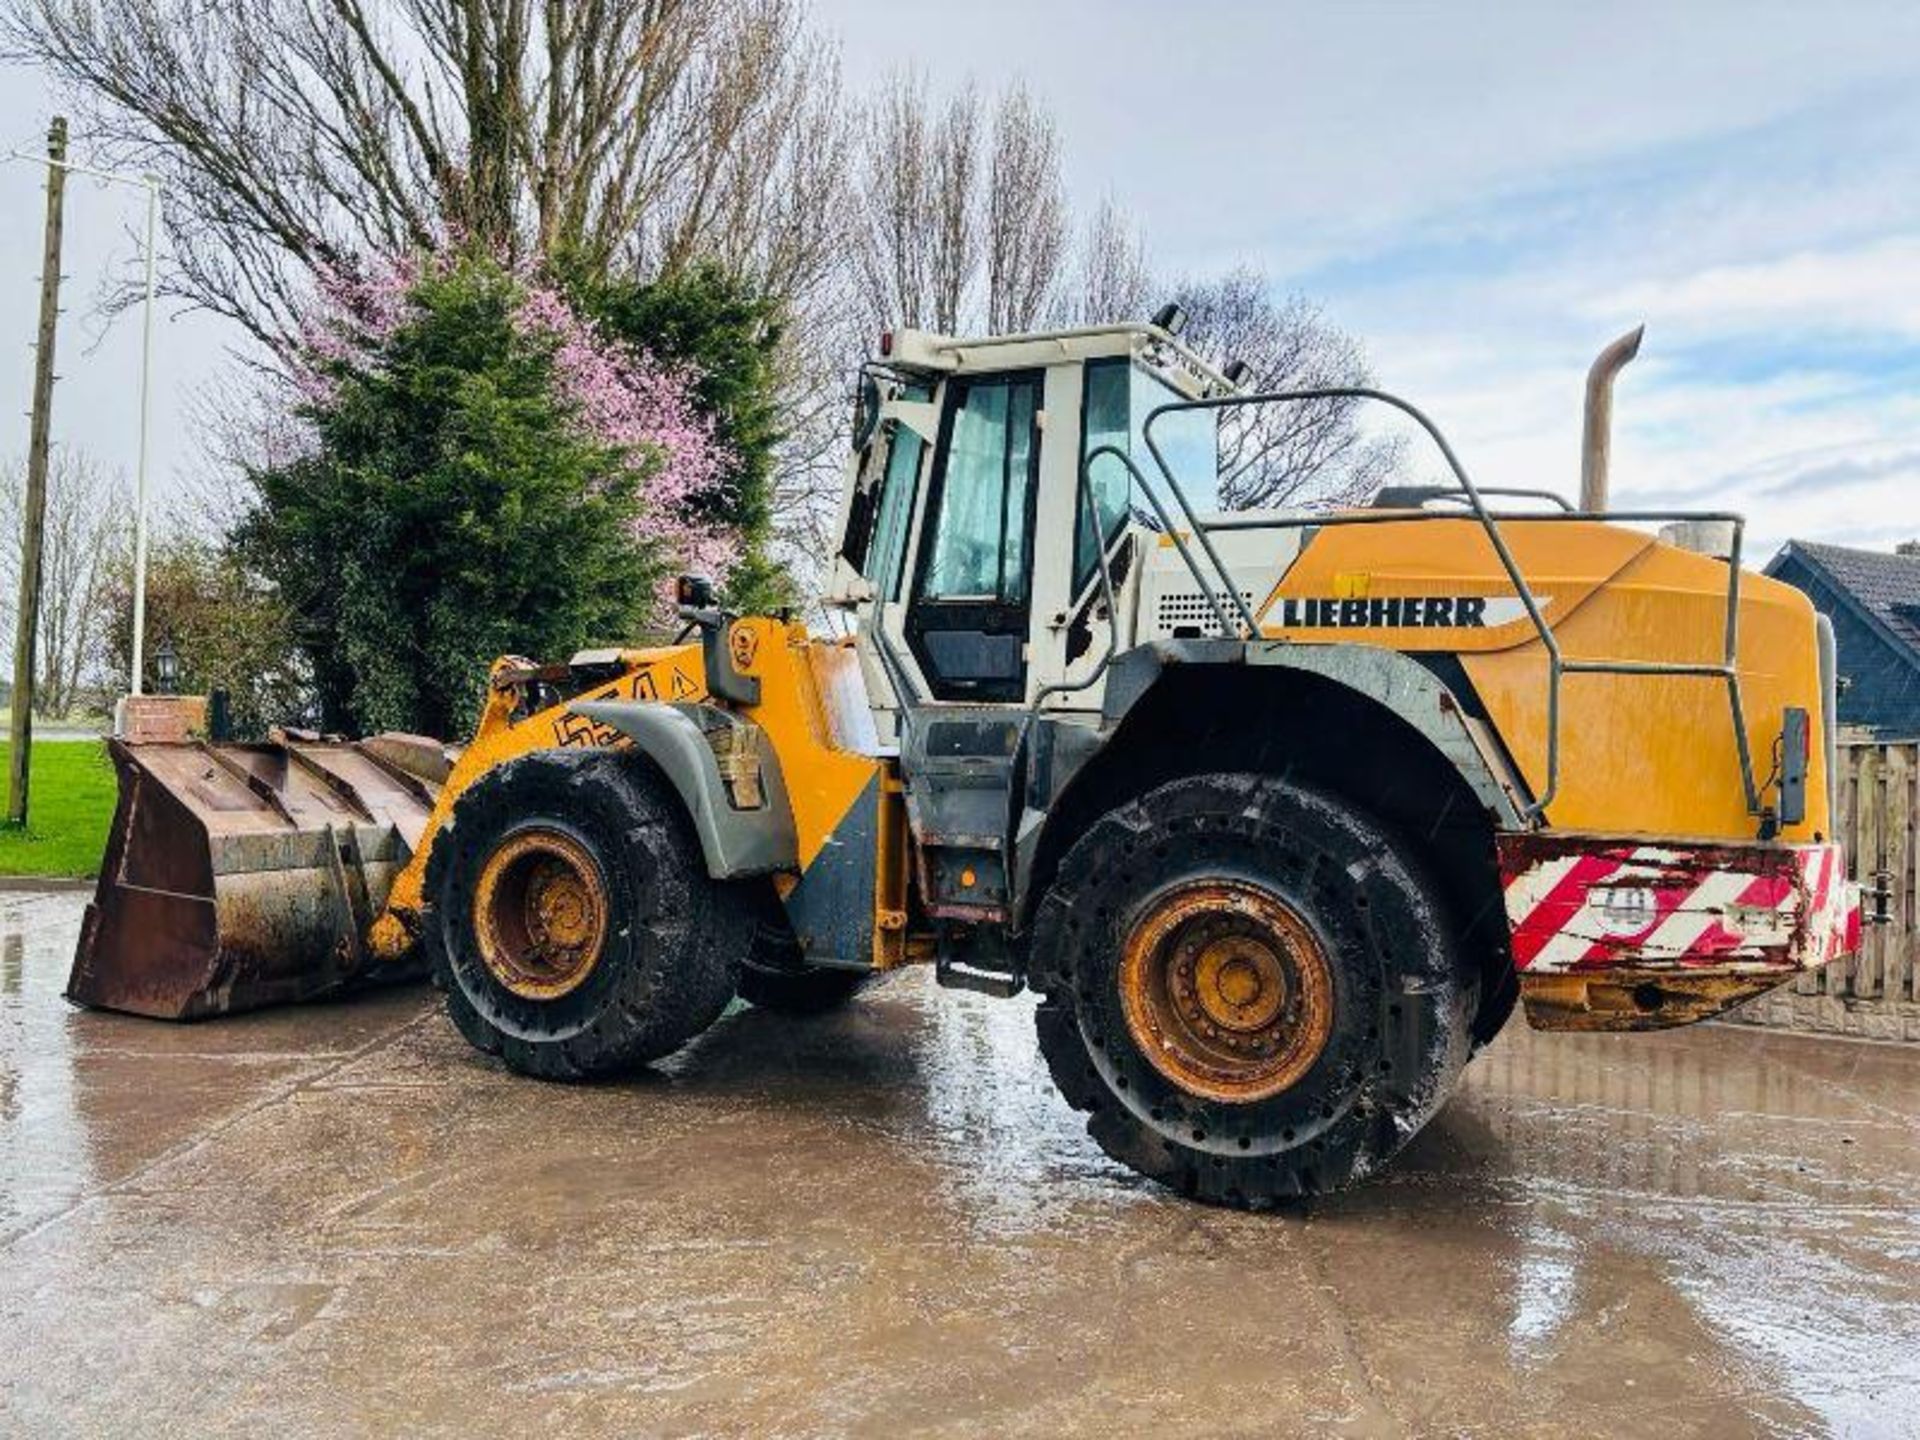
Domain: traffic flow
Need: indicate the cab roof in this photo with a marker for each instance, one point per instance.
(925, 352)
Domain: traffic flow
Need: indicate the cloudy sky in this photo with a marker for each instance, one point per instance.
(1487, 194)
(1484, 194)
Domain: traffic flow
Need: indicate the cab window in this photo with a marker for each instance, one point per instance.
(978, 549)
(894, 513)
(967, 621)
(1104, 411)
(1118, 398)
(877, 523)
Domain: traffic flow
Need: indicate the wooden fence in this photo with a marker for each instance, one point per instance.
(1876, 994)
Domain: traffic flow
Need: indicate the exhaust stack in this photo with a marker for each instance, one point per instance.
(1596, 443)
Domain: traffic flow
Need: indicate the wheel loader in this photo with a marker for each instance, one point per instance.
(1277, 814)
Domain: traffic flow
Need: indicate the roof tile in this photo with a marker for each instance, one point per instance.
(1886, 584)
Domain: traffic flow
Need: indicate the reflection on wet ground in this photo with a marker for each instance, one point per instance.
(341, 1219)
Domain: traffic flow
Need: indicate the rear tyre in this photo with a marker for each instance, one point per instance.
(1250, 988)
(574, 928)
(775, 975)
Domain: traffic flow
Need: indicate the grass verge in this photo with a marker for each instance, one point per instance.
(70, 807)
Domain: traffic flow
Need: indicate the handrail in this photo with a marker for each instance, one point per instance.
(1557, 663)
(1172, 532)
(1423, 493)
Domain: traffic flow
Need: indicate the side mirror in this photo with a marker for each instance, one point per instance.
(693, 592)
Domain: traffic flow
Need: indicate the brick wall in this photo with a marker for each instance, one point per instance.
(147, 718)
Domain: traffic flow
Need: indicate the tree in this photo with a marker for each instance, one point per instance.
(1112, 281)
(231, 629)
(632, 147)
(488, 475)
(952, 237)
(86, 531)
(304, 137)
(633, 141)
(1308, 452)
(1026, 216)
(918, 246)
(728, 335)
(948, 242)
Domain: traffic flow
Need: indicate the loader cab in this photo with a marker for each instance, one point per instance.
(970, 548)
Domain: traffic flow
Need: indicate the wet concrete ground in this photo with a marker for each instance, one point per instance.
(342, 1220)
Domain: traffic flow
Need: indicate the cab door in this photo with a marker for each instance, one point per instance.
(970, 605)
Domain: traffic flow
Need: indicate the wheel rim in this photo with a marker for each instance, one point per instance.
(540, 914)
(1227, 990)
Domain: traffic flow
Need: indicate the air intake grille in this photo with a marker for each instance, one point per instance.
(1189, 609)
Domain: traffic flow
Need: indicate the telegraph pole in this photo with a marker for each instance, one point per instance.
(35, 510)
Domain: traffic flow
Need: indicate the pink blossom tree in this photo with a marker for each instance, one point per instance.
(480, 470)
(617, 394)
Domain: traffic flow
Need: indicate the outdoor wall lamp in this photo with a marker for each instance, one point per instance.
(166, 667)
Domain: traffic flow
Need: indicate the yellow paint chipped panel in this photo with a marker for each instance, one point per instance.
(822, 781)
(1656, 754)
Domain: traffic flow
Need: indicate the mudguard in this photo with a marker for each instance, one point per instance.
(684, 740)
(1400, 685)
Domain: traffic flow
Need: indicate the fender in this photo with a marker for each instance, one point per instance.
(1399, 686)
(1403, 686)
(735, 840)
(1416, 695)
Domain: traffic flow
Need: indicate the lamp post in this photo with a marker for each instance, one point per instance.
(151, 184)
(166, 667)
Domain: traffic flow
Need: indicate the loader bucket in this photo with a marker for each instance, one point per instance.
(238, 876)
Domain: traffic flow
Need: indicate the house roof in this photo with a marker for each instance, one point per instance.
(1884, 588)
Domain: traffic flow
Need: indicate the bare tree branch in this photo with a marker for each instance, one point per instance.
(1026, 215)
(300, 136)
(1112, 281)
(85, 531)
(1305, 453)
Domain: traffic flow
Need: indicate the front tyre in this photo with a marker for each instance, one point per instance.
(1250, 988)
(573, 927)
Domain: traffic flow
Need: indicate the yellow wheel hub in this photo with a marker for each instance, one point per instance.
(540, 914)
(1227, 991)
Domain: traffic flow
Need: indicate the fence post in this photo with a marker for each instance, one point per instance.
(1900, 983)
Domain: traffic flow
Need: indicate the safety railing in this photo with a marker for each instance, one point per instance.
(1226, 598)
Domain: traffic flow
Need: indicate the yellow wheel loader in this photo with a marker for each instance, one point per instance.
(1278, 814)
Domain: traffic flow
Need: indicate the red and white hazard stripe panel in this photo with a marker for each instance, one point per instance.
(1586, 903)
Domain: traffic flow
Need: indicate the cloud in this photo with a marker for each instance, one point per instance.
(1847, 472)
(1781, 372)
(1866, 289)
(1484, 198)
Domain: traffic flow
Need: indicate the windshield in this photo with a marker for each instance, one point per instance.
(1119, 397)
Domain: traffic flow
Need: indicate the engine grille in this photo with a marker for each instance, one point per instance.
(1187, 610)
